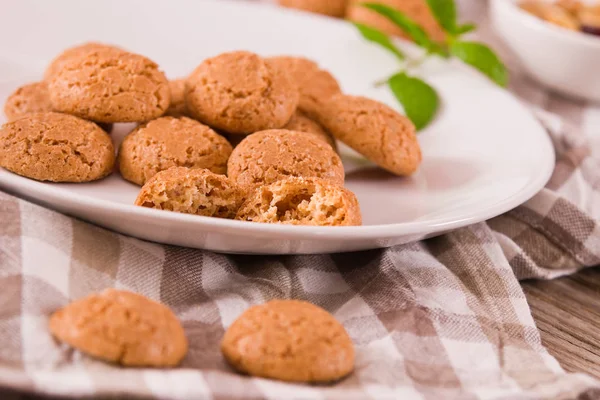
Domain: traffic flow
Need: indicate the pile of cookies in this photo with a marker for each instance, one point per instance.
(242, 137)
(287, 340)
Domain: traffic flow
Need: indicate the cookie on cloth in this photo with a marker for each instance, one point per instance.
(375, 130)
(57, 63)
(110, 85)
(289, 340)
(122, 327)
(268, 156)
(192, 191)
(241, 93)
(333, 8)
(56, 147)
(302, 201)
(301, 123)
(27, 99)
(316, 85)
(171, 142)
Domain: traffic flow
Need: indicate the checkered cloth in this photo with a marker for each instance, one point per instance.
(440, 319)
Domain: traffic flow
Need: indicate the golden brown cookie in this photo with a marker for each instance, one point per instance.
(301, 123)
(302, 201)
(192, 191)
(122, 327)
(333, 8)
(239, 92)
(374, 130)
(57, 63)
(56, 147)
(315, 84)
(418, 10)
(268, 156)
(289, 340)
(27, 99)
(171, 142)
(177, 107)
(110, 85)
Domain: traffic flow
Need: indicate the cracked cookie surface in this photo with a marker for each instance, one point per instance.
(57, 63)
(268, 156)
(56, 147)
(241, 93)
(110, 85)
(375, 130)
(192, 191)
(315, 84)
(302, 201)
(27, 99)
(302, 123)
(289, 340)
(171, 142)
(122, 327)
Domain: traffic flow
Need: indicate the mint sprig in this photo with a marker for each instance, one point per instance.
(419, 100)
(376, 36)
(482, 58)
(410, 27)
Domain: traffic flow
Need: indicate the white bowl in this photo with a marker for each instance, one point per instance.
(565, 61)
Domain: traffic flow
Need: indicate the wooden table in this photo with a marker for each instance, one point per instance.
(567, 313)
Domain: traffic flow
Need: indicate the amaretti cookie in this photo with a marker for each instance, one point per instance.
(418, 10)
(177, 107)
(110, 85)
(332, 8)
(239, 92)
(268, 156)
(289, 340)
(375, 130)
(315, 84)
(27, 99)
(301, 123)
(57, 63)
(302, 201)
(122, 327)
(171, 142)
(192, 191)
(56, 147)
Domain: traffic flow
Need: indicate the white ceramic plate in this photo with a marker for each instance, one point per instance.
(484, 155)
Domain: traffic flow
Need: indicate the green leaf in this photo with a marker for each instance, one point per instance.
(483, 58)
(420, 101)
(444, 12)
(466, 28)
(376, 36)
(412, 29)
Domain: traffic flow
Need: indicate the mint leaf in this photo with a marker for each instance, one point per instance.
(376, 36)
(466, 28)
(444, 12)
(412, 29)
(420, 101)
(482, 58)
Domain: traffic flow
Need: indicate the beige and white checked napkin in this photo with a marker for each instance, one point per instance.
(440, 319)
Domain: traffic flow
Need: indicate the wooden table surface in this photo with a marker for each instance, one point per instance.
(567, 313)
